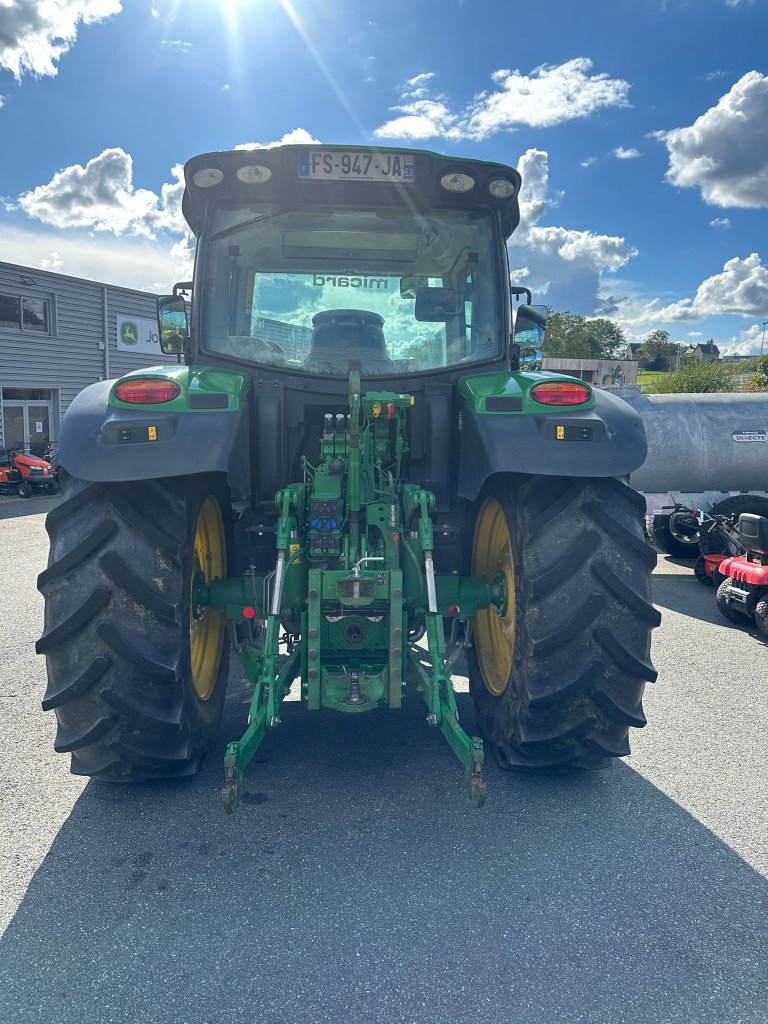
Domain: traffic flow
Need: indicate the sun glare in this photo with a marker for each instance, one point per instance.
(233, 14)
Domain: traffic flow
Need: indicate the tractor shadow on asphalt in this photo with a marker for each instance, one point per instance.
(13, 507)
(356, 883)
(684, 594)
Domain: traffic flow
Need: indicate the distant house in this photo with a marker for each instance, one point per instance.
(605, 373)
(707, 353)
(634, 350)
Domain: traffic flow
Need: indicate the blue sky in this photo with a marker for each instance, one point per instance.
(640, 128)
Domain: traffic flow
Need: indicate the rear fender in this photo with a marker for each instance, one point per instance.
(607, 439)
(100, 441)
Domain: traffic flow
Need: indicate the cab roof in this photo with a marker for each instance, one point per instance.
(293, 176)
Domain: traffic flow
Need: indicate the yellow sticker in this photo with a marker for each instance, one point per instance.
(152, 433)
(376, 409)
(561, 433)
(292, 550)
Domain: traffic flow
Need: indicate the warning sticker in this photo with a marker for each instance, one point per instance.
(293, 550)
(750, 435)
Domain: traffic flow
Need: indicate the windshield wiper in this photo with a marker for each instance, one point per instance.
(236, 228)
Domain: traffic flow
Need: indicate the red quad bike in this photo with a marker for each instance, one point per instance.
(743, 579)
(23, 473)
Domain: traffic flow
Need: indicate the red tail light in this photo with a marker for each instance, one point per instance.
(147, 391)
(560, 392)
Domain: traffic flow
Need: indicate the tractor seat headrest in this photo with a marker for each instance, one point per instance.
(349, 334)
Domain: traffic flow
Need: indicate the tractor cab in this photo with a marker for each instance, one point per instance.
(330, 260)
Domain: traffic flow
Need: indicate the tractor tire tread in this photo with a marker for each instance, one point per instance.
(583, 545)
(65, 565)
(582, 650)
(122, 575)
(77, 687)
(114, 590)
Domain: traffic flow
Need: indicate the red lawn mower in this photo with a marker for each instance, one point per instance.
(742, 580)
(23, 473)
(718, 539)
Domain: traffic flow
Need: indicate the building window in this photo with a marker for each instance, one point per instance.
(25, 313)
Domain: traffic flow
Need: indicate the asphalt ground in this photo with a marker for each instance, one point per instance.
(356, 883)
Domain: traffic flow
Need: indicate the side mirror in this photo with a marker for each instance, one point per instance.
(435, 305)
(530, 326)
(172, 324)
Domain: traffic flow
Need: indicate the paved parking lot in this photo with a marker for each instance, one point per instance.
(356, 884)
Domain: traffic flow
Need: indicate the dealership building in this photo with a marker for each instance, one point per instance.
(57, 335)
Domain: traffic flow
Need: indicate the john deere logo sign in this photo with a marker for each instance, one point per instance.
(129, 333)
(136, 334)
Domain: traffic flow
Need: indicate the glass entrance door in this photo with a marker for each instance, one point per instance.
(38, 426)
(27, 425)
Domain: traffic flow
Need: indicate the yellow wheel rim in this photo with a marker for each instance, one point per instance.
(206, 628)
(494, 633)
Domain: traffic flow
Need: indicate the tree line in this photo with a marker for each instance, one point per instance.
(575, 337)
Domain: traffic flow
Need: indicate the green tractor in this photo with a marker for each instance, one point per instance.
(349, 478)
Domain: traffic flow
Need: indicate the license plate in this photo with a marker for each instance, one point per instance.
(326, 165)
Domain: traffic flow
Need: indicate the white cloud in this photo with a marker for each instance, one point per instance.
(101, 196)
(744, 343)
(178, 45)
(562, 265)
(588, 161)
(626, 154)
(536, 197)
(147, 264)
(35, 34)
(296, 137)
(415, 87)
(54, 262)
(724, 153)
(550, 95)
(720, 222)
(741, 288)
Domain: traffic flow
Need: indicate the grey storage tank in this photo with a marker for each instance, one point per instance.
(697, 443)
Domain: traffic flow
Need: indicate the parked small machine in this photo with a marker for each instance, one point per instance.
(352, 479)
(718, 539)
(742, 579)
(23, 473)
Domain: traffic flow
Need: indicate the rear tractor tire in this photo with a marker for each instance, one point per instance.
(557, 677)
(136, 676)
